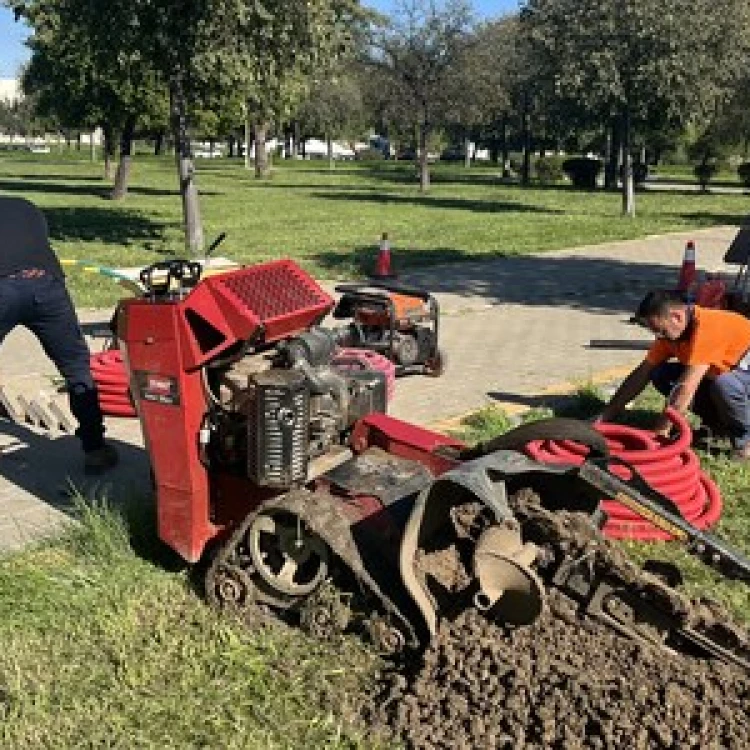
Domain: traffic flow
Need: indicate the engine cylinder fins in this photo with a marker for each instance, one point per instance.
(509, 592)
(555, 428)
(286, 555)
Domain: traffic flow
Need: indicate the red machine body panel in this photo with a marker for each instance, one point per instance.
(170, 405)
(165, 344)
(405, 440)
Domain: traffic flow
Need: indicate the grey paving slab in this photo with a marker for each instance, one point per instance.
(512, 328)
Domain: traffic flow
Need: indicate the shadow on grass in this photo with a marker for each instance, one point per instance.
(102, 191)
(47, 176)
(361, 260)
(442, 204)
(705, 219)
(111, 224)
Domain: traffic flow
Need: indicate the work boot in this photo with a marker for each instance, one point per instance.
(100, 459)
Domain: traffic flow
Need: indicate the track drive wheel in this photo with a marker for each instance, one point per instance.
(386, 638)
(325, 614)
(286, 555)
(228, 586)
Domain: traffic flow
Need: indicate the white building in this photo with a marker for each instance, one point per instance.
(10, 89)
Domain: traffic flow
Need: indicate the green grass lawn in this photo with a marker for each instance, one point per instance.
(329, 220)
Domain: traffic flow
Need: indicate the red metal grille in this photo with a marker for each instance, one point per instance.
(275, 290)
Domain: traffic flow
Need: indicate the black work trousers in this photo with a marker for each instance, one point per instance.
(43, 305)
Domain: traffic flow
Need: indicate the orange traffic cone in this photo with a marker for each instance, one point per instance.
(687, 270)
(383, 268)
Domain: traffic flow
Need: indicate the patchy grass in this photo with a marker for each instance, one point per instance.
(733, 479)
(329, 220)
(103, 648)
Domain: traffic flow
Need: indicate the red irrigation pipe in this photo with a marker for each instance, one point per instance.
(108, 371)
(670, 467)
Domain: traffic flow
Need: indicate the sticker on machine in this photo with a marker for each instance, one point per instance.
(161, 389)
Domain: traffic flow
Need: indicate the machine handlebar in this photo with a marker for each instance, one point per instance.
(158, 278)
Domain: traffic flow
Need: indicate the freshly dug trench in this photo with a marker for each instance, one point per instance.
(564, 682)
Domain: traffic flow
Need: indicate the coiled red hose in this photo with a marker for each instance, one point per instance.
(108, 371)
(669, 467)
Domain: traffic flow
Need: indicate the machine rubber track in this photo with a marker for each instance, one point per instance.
(600, 581)
(322, 514)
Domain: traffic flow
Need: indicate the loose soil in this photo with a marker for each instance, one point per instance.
(564, 682)
(560, 684)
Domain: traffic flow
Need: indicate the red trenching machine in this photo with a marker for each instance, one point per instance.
(286, 472)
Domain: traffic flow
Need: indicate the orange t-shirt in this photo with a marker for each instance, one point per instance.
(719, 339)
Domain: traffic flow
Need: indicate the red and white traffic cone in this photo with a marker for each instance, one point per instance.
(687, 270)
(383, 268)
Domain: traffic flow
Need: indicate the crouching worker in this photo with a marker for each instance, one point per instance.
(711, 374)
(33, 294)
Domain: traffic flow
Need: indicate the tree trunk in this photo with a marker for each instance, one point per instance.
(296, 145)
(262, 168)
(613, 151)
(120, 189)
(504, 148)
(424, 165)
(191, 214)
(329, 150)
(231, 143)
(628, 193)
(467, 155)
(527, 144)
(109, 149)
(158, 143)
(92, 147)
(248, 137)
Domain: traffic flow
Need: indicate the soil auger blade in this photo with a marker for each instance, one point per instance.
(509, 591)
(462, 544)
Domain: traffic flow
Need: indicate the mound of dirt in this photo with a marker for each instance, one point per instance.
(560, 683)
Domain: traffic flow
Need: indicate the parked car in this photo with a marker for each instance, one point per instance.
(206, 152)
(39, 148)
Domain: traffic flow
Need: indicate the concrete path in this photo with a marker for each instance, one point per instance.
(514, 330)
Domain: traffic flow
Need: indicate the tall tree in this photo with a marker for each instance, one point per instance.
(480, 82)
(415, 55)
(636, 59)
(333, 109)
(287, 45)
(86, 73)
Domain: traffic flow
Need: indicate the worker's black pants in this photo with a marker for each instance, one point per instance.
(723, 404)
(42, 305)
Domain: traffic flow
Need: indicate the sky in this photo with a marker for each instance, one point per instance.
(13, 53)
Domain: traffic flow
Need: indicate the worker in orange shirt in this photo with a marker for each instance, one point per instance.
(711, 374)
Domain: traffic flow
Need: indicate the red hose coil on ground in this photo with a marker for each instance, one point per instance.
(669, 467)
(108, 371)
